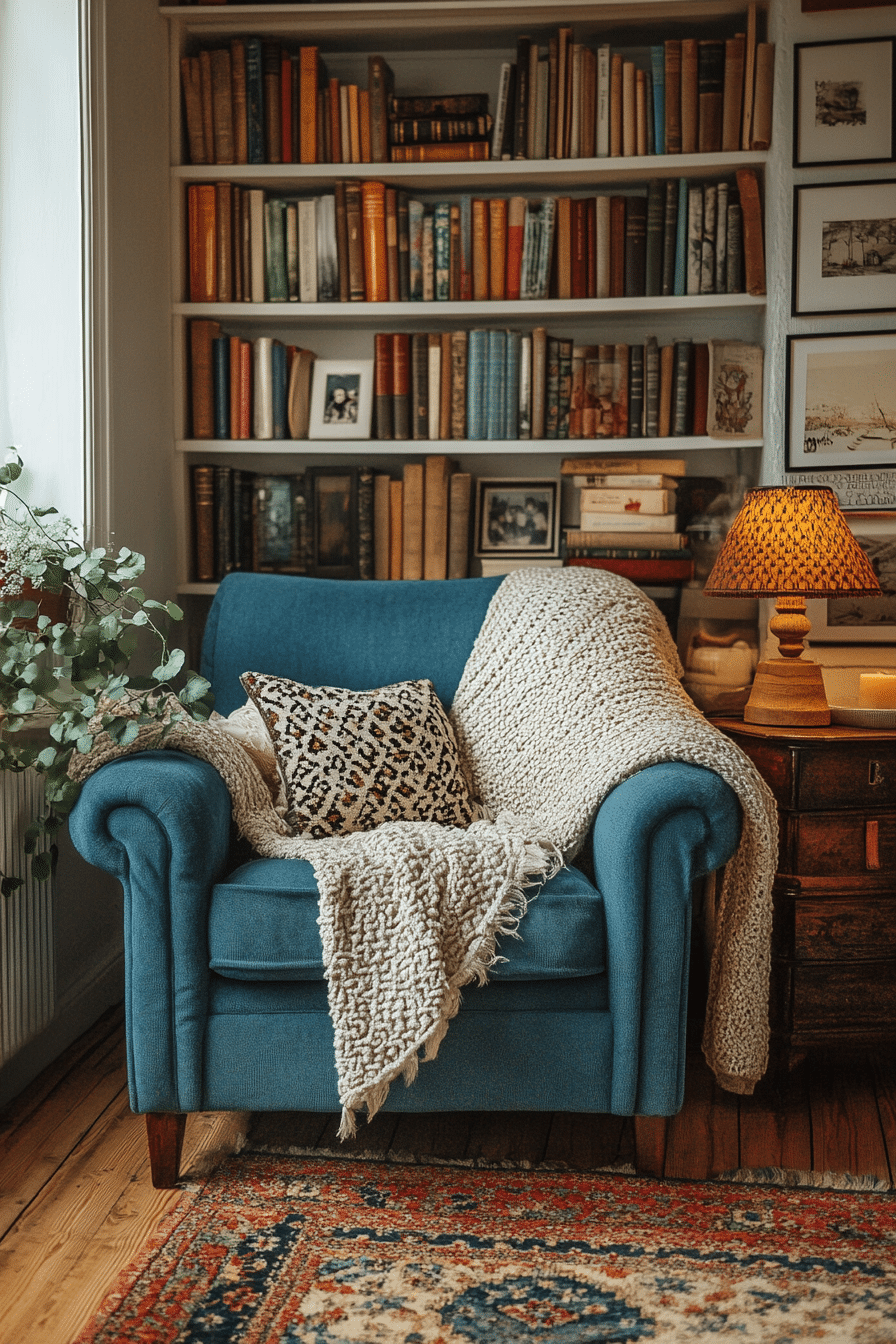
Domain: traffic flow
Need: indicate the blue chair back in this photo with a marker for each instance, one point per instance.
(327, 632)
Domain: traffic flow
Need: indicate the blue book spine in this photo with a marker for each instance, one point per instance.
(495, 398)
(254, 100)
(658, 79)
(512, 385)
(441, 237)
(477, 351)
(221, 385)
(681, 239)
(415, 248)
(278, 388)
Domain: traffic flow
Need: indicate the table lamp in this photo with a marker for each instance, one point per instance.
(790, 544)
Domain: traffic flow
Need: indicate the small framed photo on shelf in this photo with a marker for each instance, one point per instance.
(844, 247)
(341, 399)
(863, 620)
(332, 494)
(517, 518)
(841, 401)
(843, 102)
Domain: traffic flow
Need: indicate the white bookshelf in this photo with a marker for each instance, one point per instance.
(443, 47)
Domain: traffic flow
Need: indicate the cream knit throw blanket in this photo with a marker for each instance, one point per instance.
(572, 686)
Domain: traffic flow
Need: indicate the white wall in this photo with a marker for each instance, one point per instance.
(41, 407)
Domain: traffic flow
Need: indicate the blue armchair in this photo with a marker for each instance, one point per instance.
(226, 1003)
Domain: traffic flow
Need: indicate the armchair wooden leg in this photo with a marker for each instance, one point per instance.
(165, 1136)
(650, 1144)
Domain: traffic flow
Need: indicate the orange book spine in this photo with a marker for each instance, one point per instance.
(201, 204)
(396, 528)
(308, 61)
(238, 76)
(392, 243)
(480, 250)
(234, 387)
(335, 122)
(202, 333)
(286, 146)
(497, 238)
(224, 241)
(516, 220)
(754, 250)
(245, 421)
(563, 231)
(629, 111)
(373, 231)
(690, 106)
(616, 106)
(475, 151)
(354, 123)
(192, 89)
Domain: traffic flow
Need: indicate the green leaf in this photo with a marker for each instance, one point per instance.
(139, 618)
(47, 757)
(174, 611)
(43, 513)
(194, 690)
(84, 743)
(175, 662)
(10, 471)
(9, 885)
(139, 596)
(42, 867)
(24, 701)
(130, 734)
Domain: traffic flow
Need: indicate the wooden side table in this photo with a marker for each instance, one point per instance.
(834, 928)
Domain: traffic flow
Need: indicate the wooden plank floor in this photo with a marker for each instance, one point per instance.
(76, 1201)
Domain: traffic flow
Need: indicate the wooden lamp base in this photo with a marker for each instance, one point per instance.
(788, 690)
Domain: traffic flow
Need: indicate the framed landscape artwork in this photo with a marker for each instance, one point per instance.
(843, 102)
(862, 620)
(844, 247)
(517, 518)
(841, 401)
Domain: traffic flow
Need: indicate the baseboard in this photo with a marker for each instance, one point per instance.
(77, 1011)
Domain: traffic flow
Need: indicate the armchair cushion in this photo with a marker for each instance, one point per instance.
(351, 760)
(263, 926)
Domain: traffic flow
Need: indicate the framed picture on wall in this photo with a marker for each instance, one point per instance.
(843, 102)
(332, 499)
(517, 518)
(841, 401)
(844, 247)
(862, 620)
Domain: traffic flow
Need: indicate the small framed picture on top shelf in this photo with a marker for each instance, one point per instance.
(841, 401)
(517, 518)
(844, 246)
(341, 399)
(843, 102)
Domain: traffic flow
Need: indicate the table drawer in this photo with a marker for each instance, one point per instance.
(842, 997)
(827, 844)
(848, 775)
(843, 930)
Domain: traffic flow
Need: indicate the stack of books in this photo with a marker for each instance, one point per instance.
(439, 128)
(628, 520)
(333, 522)
(369, 242)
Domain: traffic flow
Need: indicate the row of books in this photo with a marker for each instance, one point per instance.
(495, 384)
(345, 522)
(679, 96)
(241, 389)
(369, 242)
(256, 101)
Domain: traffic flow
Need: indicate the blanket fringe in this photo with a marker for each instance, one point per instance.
(539, 862)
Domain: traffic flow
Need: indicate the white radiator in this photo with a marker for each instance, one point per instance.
(27, 943)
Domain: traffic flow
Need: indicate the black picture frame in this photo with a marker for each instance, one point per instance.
(536, 536)
(841, 443)
(863, 286)
(811, 131)
(333, 510)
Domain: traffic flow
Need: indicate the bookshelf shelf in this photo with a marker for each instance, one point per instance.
(453, 447)
(495, 175)
(462, 313)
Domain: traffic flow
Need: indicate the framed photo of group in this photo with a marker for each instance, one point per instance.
(843, 102)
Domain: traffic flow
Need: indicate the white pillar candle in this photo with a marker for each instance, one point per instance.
(877, 690)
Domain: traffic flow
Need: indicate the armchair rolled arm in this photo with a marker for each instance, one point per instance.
(160, 822)
(653, 836)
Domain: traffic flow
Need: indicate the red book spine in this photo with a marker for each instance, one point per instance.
(245, 425)
(234, 387)
(201, 202)
(579, 250)
(516, 218)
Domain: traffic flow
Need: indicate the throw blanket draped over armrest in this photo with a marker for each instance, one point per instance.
(572, 686)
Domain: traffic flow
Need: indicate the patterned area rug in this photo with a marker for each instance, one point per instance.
(271, 1250)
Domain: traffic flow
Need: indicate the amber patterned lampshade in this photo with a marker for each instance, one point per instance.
(791, 541)
(790, 544)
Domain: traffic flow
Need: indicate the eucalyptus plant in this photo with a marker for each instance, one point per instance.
(60, 674)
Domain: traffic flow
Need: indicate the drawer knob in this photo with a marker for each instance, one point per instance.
(875, 774)
(872, 852)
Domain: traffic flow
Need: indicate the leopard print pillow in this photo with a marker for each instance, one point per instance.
(353, 759)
